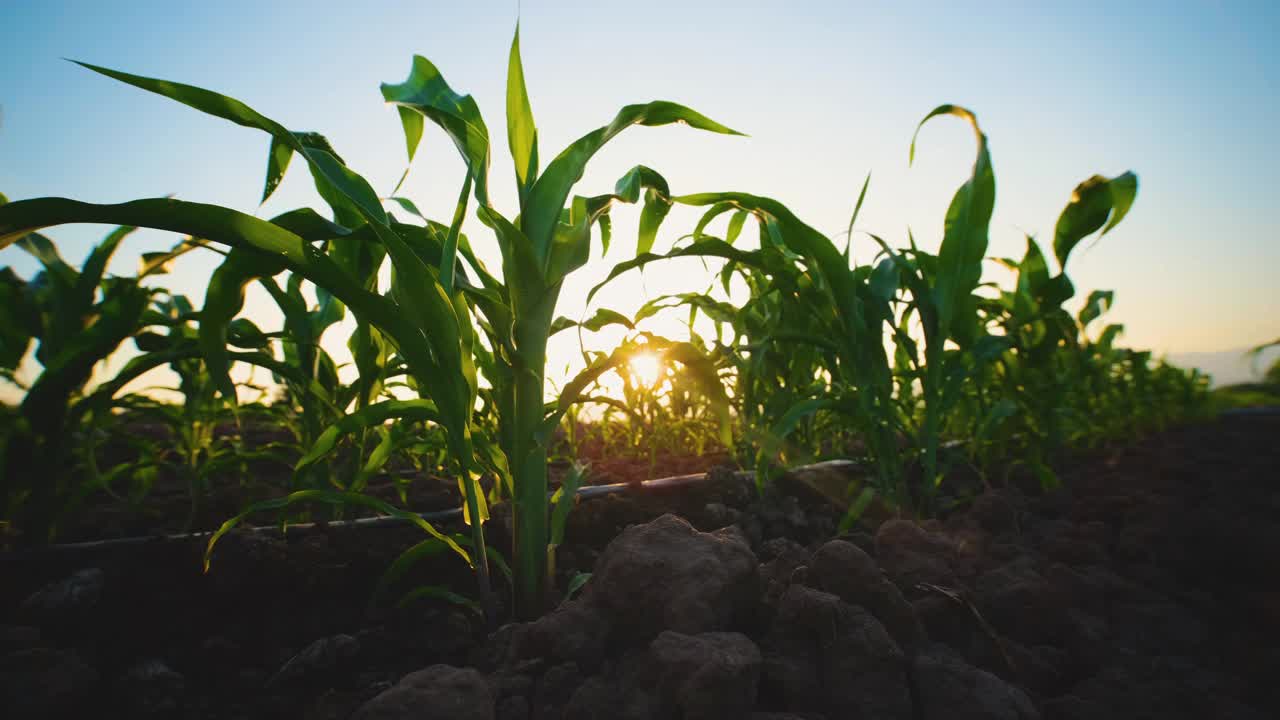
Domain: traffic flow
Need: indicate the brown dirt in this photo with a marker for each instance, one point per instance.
(1144, 588)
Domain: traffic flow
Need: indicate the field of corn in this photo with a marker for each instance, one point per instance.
(875, 490)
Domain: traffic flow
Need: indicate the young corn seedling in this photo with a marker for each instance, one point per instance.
(1043, 369)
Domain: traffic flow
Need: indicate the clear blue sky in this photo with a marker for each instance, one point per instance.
(1185, 94)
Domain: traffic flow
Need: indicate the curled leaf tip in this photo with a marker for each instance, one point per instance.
(945, 109)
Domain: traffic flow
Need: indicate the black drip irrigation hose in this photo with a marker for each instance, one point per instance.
(584, 493)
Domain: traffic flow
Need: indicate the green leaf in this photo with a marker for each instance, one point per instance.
(791, 419)
(571, 241)
(278, 156)
(332, 498)
(439, 592)
(964, 240)
(434, 363)
(67, 302)
(605, 317)
(606, 233)
(42, 249)
(1094, 203)
(1004, 409)
(243, 333)
(562, 502)
(413, 125)
(721, 312)
(365, 418)
(856, 509)
(95, 266)
(988, 348)
(560, 324)
(1124, 189)
(548, 195)
(309, 225)
(657, 202)
(572, 391)
(522, 134)
(161, 263)
(425, 92)
(706, 248)
(885, 279)
(19, 320)
(735, 226)
(857, 208)
(576, 583)
(102, 395)
(66, 372)
(1099, 302)
(447, 329)
(427, 547)
(1109, 335)
(1033, 272)
(224, 298)
(338, 181)
(449, 252)
(708, 217)
(408, 206)
(155, 263)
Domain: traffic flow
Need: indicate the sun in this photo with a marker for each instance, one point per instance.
(646, 368)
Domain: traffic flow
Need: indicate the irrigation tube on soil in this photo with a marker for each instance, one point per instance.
(584, 493)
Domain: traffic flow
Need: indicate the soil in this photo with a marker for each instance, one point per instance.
(1145, 587)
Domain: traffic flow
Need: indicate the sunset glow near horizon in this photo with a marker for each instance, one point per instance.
(825, 92)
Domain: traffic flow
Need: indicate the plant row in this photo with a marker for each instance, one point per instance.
(913, 361)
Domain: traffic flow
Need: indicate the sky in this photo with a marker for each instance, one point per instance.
(1183, 94)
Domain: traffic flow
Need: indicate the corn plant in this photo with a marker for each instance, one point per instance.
(769, 376)
(841, 311)
(193, 423)
(545, 243)
(198, 447)
(195, 451)
(805, 293)
(682, 406)
(428, 313)
(1045, 366)
(77, 318)
(313, 391)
